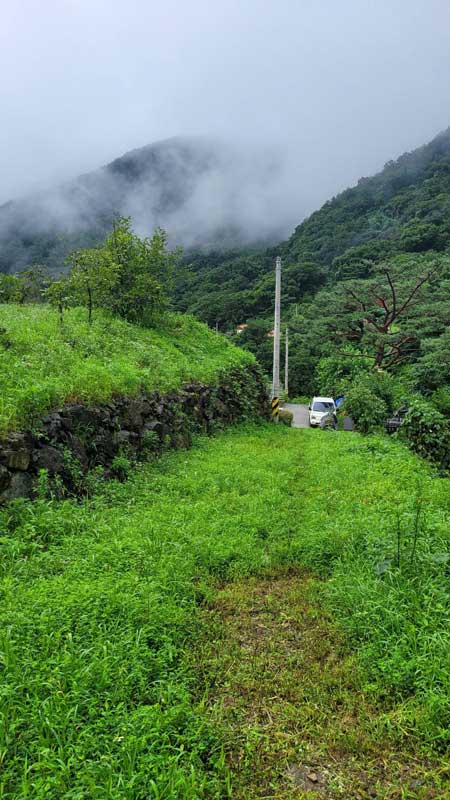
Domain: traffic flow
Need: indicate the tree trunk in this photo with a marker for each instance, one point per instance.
(379, 356)
(89, 305)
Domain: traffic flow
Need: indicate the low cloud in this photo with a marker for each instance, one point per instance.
(205, 193)
(308, 95)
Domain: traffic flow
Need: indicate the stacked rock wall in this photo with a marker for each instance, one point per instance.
(76, 438)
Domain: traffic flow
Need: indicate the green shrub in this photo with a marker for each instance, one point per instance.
(286, 417)
(387, 387)
(427, 432)
(121, 467)
(150, 442)
(367, 410)
(335, 374)
(441, 400)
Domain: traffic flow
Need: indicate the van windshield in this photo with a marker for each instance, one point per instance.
(322, 406)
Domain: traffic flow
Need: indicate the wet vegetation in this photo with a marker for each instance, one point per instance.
(45, 362)
(107, 603)
(267, 615)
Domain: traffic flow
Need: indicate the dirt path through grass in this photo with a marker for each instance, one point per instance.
(295, 717)
(105, 601)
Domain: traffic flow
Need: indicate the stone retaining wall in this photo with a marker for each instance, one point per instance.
(76, 438)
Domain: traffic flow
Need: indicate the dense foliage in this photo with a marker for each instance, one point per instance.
(102, 604)
(127, 275)
(405, 208)
(44, 363)
(391, 228)
(366, 285)
(365, 408)
(428, 432)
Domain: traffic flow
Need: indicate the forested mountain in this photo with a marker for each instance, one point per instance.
(366, 279)
(204, 193)
(347, 271)
(403, 209)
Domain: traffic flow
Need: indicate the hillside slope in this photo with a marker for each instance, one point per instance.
(403, 209)
(44, 363)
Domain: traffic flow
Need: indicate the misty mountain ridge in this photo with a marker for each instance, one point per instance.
(213, 198)
(205, 193)
(403, 209)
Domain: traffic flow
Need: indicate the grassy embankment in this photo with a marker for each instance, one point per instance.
(132, 667)
(42, 363)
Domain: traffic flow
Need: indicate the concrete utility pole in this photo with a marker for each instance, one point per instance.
(286, 364)
(276, 330)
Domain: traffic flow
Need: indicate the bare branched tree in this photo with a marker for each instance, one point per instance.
(378, 307)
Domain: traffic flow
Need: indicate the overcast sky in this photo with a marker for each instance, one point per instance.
(340, 85)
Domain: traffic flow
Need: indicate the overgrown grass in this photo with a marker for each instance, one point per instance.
(43, 363)
(290, 699)
(100, 603)
(376, 521)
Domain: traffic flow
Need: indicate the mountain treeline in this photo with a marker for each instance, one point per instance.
(365, 286)
(403, 209)
(204, 192)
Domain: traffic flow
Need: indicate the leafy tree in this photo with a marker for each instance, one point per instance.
(256, 338)
(35, 280)
(93, 278)
(12, 289)
(335, 374)
(378, 309)
(27, 286)
(366, 409)
(359, 261)
(128, 275)
(143, 270)
(300, 279)
(58, 295)
(417, 236)
(432, 369)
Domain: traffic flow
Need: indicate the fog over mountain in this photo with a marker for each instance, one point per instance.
(203, 192)
(309, 96)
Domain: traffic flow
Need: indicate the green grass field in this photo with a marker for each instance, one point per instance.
(108, 606)
(43, 363)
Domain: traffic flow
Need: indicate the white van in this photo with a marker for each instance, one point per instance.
(319, 408)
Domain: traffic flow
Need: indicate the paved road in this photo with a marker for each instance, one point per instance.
(301, 415)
